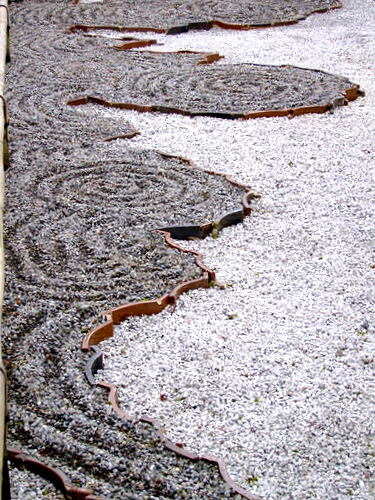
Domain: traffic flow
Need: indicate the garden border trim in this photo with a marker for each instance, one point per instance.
(120, 313)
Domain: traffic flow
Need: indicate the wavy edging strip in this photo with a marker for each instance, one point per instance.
(204, 25)
(119, 314)
(130, 135)
(348, 95)
(51, 474)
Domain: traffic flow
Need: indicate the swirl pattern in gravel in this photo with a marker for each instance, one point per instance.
(171, 13)
(290, 346)
(80, 238)
(177, 83)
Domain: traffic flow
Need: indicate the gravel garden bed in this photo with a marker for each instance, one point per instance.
(80, 235)
(180, 15)
(178, 83)
(276, 373)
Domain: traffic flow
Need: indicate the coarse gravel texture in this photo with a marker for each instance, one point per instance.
(276, 373)
(176, 82)
(168, 14)
(25, 484)
(80, 237)
(91, 66)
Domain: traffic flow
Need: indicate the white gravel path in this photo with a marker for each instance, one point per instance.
(276, 374)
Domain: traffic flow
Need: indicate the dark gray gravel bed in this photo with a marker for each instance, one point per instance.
(91, 66)
(87, 230)
(176, 81)
(25, 484)
(120, 459)
(174, 13)
(80, 237)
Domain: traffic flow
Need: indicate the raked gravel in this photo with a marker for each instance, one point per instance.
(26, 485)
(276, 373)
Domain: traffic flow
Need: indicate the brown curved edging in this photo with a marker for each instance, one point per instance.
(53, 475)
(120, 29)
(146, 307)
(130, 135)
(203, 25)
(348, 95)
(127, 42)
(352, 93)
(97, 335)
(118, 314)
(189, 285)
(224, 474)
(177, 448)
(135, 44)
(139, 43)
(113, 399)
(119, 105)
(198, 256)
(207, 57)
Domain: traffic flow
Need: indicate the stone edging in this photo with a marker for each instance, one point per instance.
(119, 314)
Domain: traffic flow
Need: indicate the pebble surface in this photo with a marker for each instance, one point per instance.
(276, 373)
(25, 484)
(169, 14)
(77, 242)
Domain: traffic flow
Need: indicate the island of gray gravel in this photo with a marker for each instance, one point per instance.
(176, 16)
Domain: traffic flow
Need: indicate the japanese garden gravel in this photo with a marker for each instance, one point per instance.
(275, 373)
(65, 186)
(25, 484)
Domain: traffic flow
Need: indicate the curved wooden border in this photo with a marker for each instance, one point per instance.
(120, 29)
(113, 399)
(134, 44)
(130, 135)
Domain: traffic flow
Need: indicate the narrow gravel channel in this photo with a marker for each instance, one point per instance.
(276, 373)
